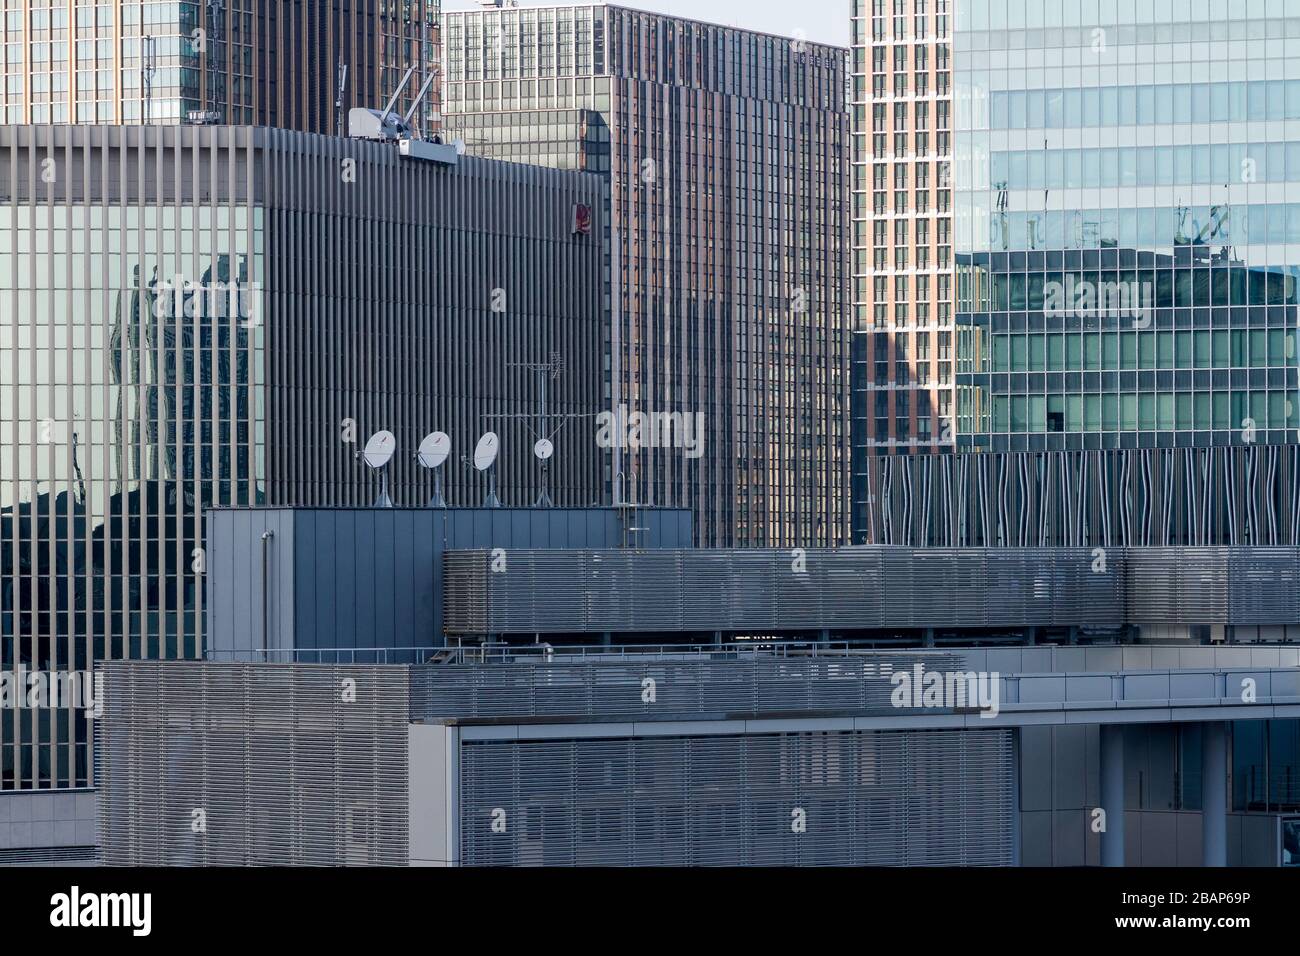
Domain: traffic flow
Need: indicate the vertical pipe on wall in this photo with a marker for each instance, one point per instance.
(1112, 794)
(1214, 794)
(266, 592)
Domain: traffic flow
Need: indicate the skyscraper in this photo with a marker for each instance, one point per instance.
(1128, 262)
(260, 62)
(901, 86)
(725, 153)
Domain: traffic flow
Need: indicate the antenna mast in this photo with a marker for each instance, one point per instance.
(542, 431)
(343, 85)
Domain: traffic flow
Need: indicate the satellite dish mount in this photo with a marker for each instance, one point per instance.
(485, 456)
(378, 453)
(543, 449)
(433, 452)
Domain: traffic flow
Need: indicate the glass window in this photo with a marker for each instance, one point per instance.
(1147, 412)
(1128, 412)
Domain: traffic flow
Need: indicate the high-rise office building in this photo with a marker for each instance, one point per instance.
(901, 86)
(725, 152)
(1127, 254)
(259, 62)
(199, 317)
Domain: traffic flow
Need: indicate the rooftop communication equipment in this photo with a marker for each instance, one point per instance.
(433, 452)
(485, 456)
(386, 126)
(377, 454)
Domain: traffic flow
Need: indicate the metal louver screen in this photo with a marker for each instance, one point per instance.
(764, 590)
(206, 763)
(1213, 585)
(913, 798)
(606, 689)
(760, 591)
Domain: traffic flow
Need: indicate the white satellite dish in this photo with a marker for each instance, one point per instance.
(543, 449)
(485, 453)
(433, 452)
(434, 449)
(379, 450)
(378, 453)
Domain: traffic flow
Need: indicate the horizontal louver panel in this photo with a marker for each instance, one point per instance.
(869, 588)
(273, 764)
(923, 798)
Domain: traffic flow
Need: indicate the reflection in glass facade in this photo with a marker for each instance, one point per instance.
(1266, 769)
(1127, 237)
(185, 326)
(1127, 251)
(126, 408)
(152, 62)
(728, 195)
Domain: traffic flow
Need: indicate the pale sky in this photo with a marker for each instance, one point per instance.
(823, 21)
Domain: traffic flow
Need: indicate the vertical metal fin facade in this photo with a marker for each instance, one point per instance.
(1224, 495)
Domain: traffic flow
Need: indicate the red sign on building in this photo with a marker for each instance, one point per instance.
(582, 219)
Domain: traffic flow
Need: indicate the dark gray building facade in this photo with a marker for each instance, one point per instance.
(328, 584)
(195, 317)
(726, 152)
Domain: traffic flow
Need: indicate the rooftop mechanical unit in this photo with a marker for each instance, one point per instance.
(388, 127)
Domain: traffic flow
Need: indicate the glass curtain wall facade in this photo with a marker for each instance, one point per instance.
(725, 154)
(902, 288)
(1127, 226)
(202, 317)
(1127, 243)
(272, 63)
(129, 403)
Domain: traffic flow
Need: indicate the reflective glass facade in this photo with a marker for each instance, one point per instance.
(129, 404)
(724, 150)
(184, 325)
(273, 63)
(1127, 224)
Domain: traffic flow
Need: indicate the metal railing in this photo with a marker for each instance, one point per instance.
(489, 653)
(326, 655)
(656, 687)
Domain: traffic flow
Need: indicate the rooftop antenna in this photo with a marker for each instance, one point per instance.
(485, 455)
(214, 8)
(342, 88)
(433, 452)
(378, 453)
(542, 430)
(149, 66)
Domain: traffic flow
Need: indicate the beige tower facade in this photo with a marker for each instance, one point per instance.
(902, 286)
